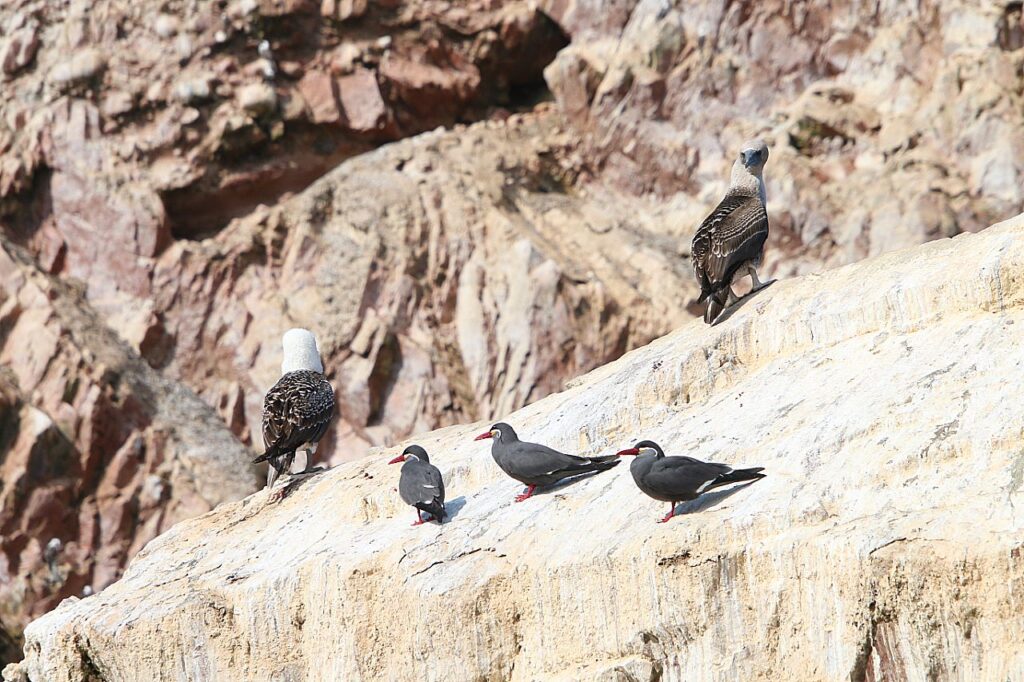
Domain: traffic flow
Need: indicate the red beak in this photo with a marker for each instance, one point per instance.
(630, 451)
(484, 436)
(396, 460)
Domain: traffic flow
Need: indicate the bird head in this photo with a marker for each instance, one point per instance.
(644, 447)
(753, 155)
(300, 351)
(501, 432)
(414, 451)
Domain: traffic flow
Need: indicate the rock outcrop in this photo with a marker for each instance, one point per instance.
(97, 449)
(885, 542)
(449, 277)
(890, 123)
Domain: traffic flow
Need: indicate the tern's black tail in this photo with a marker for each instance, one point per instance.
(435, 509)
(603, 463)
(737, 476)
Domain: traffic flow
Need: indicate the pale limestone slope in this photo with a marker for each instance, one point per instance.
(883, 400)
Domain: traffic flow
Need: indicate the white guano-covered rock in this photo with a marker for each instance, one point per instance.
(886, 542)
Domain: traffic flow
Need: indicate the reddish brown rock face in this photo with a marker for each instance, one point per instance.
(96, 449)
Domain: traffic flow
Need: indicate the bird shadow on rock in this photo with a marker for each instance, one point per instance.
(564, 483)
(731, 310)
(300, 479)
(453, 507)
(708, 500)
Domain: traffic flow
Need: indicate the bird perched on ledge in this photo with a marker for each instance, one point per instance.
(298, 408)
(730, 242)
(420, 484)
(678, 479)
(534, 464)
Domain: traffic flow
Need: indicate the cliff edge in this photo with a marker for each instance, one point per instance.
(881, 398)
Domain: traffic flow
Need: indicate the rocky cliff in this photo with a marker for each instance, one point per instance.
(99, 451)
(885, 542)
(197, 175)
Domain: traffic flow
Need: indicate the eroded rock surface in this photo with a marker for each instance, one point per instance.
(890, 123)
(885, 542)
(97, 449)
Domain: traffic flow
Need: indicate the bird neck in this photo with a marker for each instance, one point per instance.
(744, 181)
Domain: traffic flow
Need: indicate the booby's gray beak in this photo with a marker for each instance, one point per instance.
(751, 157)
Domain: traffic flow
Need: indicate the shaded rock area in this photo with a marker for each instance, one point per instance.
(97, 449)
(884, 543)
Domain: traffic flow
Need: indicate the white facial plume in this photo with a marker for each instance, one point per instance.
(300, 351)
(748, 168)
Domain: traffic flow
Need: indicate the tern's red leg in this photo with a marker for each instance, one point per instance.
(419, 518)
(527, 494)
(671, 513)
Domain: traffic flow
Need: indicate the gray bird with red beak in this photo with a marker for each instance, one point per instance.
(679, 479)
(537, 465)
(420, 484)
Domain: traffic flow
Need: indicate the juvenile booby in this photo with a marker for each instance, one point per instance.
(299, 407)
(678, 479)
(420, 484)
(533, 464)
(730, 242)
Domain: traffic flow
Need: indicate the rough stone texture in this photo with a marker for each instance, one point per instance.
(885, 542)
(96, 448)
(463, 275)
(450, 277)
(890, 123)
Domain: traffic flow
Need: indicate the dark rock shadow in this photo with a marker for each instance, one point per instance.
(731, 310)
(453, 507)
(708, 500)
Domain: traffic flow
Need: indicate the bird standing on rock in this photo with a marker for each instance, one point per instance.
(298, 408)
(679, 479)
(730, 242)
(535, 465)
(420, 484)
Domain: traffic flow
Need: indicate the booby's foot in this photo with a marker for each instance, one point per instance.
(527, 495)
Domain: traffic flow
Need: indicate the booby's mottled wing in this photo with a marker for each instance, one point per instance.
(732, 235)
(421, 486)
(296, 411)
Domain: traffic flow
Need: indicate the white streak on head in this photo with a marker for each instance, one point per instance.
(300, 351)
(648, 451)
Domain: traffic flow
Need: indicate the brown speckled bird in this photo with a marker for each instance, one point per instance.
(730, 242)
(298, 408)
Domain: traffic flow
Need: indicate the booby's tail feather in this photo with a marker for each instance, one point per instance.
(714, 309)
(265, 456)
